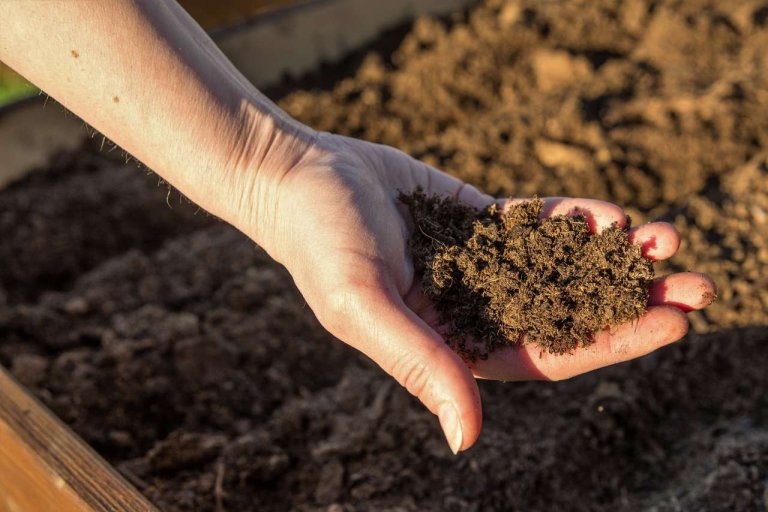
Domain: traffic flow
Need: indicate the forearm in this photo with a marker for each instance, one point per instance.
(147, 76)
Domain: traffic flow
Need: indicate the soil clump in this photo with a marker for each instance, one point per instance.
(506, 278)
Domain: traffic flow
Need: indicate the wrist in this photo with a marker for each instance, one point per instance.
(266, 145)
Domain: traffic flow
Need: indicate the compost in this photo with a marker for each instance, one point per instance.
(188, 359)
(502, 278)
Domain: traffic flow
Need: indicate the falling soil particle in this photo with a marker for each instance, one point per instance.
(505, 277)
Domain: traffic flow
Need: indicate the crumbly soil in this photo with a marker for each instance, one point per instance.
(188, 359)
(506, 278)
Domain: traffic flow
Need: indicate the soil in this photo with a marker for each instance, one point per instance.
(506, 278)
(188, 359)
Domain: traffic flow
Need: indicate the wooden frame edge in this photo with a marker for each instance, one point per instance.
(44, 466)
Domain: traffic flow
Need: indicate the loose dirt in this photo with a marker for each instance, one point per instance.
(507, 278)
(187, 358)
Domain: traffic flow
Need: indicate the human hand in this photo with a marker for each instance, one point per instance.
(323, 205)
(333, 218)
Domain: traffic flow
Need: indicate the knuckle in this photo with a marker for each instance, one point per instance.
(559, 376)
(550, 368)
(560, 373)
(339, 306)
(346, 306)
(414, 373)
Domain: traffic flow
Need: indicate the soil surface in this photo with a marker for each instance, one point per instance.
(187, 358)
(506, 278)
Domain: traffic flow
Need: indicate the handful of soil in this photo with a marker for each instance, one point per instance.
(495, 276)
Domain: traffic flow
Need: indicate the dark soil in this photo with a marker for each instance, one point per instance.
(506, 278)
(187, 358)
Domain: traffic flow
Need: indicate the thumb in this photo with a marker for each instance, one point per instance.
(376, 321)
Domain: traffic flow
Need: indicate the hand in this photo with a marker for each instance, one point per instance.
(334, 220)
(323, 205)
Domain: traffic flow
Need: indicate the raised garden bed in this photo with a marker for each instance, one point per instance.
(187, 360)
(44, 466)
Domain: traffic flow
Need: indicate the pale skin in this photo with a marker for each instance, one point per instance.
(325, 206)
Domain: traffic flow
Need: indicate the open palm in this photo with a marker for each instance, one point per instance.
(339, 228)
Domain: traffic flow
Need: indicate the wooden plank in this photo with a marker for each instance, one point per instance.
(295, 39)
(213, 15)
(31, 133)
(45, 467)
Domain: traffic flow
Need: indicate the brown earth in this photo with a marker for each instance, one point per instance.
(503, 278)
(187, 358)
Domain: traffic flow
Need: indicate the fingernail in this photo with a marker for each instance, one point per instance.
(449, 421)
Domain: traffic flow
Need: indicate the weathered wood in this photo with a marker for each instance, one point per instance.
(295, 38)
(45, 467)
(213, 15)
(31, 133)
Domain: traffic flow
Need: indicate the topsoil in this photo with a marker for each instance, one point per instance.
(511, 278)
(187, 358)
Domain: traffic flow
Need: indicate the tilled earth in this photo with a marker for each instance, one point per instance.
(187, 358)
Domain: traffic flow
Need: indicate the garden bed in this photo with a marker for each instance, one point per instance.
(184, 356)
